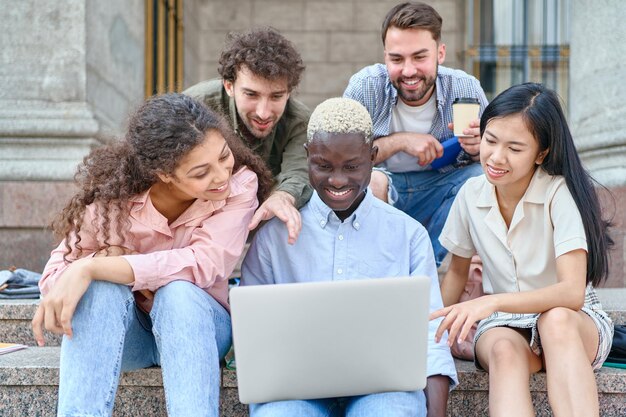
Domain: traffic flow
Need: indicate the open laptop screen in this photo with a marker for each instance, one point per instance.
(330, 339)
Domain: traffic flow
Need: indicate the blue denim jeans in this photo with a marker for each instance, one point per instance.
(186, 333)
(427, 197)
(388, 404)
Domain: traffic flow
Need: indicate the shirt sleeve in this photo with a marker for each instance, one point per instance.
(257, 265)
(455, 235)
(569, 231)
(294, 176)
(213, 250)
(56, 265)
(354, 89)
(440, 361)
(367, 90)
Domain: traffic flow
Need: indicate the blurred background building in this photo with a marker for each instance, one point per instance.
(71, 71)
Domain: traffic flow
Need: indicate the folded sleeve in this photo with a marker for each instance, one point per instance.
(212, 252)
(257, 266)
(569, 231)
(455, 235)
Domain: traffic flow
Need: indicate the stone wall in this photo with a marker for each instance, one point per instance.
(335, 37)
(69, 73)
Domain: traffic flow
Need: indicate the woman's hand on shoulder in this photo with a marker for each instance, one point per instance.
(459, 318)
(57, 308)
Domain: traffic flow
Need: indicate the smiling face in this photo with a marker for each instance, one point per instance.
(260, 102)
(340, 166)
(509, 154)
(412, 57)
(204, 173)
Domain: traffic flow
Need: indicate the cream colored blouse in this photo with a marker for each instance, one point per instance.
(545, 225)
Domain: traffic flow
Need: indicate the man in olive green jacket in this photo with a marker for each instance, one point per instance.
(259, 69)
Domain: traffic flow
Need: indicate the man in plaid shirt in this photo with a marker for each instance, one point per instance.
(410, 101)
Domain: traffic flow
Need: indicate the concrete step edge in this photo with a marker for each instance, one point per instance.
(613, 301)
(40, 366)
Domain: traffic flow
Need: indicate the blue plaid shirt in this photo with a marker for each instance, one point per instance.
(372, 87)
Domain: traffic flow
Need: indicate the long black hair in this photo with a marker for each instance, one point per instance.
(541, 111)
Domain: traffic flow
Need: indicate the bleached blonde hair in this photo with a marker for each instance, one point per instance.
(340, 115)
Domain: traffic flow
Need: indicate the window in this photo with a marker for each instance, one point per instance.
(164, 46)
(514, 41)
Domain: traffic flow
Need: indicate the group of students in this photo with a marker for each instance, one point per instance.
(162, 216)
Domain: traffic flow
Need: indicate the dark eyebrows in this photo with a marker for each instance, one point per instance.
(206, 165)
(421, 51)
(418, 52)
(511, 142)
(488, 133)
(274, 93)
(319, 158)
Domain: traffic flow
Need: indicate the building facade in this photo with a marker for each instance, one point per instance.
(71, 71)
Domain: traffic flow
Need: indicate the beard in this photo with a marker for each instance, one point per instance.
(412, 96)
(251, 132)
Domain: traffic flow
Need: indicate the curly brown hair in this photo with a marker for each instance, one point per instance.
(160, 134)
(265, 52)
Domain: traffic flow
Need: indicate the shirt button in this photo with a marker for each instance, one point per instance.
(340, 237)
(357, 225)
(340, 271)
(322, 223)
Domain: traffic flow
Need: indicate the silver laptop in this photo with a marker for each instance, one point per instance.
(330, 339)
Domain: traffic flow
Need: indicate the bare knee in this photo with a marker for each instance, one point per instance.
(557, 325)
(379, 184)
(505, 352)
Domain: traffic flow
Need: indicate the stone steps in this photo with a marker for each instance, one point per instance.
(15, 316)
(28, 387)
(15, 327)
(29, 378)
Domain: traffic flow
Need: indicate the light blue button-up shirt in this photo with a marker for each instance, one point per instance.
(376, 241)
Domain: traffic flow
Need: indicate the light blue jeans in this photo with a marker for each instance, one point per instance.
(186, 333)
(427, 197)
(388, 404)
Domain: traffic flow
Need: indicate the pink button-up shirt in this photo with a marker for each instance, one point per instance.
(202, 245)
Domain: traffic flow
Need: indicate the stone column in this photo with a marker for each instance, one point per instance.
(598, 87)
(598, 108)
(69, 71)
(45, 123)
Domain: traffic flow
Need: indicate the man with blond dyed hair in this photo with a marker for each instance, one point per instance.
(349, 234)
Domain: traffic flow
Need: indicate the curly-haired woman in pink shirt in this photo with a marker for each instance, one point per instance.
(149, 241)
